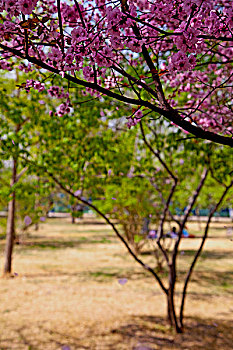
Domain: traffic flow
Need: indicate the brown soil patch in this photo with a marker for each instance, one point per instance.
(66, 293)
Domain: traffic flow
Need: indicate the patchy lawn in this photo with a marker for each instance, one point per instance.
(66, 293)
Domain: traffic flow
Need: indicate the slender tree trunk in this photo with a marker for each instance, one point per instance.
(10, 230)
(198, 219)
(72, 216)
(171, 312)
(37, 203)
(189, 273)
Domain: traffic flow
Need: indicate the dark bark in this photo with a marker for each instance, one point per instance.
(10, 230)
(172, 317)
(189, 273)
(169, 312)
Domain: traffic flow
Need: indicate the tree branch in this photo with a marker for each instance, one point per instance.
(186, 215)
(172, 115)
(60, 25)
(109, 222)
(189, 273)
(22, 172)
(188, 211)
(80, 13)
(166, 208)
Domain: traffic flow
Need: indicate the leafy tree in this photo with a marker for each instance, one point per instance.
(95, 160)
(21, 194)
(78, 151)
(99, 166)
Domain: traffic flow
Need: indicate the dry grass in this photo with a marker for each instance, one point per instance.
(67, 293)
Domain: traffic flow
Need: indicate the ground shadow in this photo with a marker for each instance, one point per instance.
(220, 278)
(104, 275)
(209, 254)
(204, 255)
(35, 342)
(137, 333)
(153, 333)
(56, 243)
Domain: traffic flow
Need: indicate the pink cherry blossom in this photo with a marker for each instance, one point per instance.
(129, 51)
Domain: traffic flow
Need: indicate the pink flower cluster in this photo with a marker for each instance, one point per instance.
(112, 40)
(14, 7)
(25, 68)
(58, 92)
(34, 84)
(63, 109)
(5, 65)
(135, 119)
(181, 62)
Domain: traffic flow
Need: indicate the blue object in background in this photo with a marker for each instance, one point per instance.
(185, 233)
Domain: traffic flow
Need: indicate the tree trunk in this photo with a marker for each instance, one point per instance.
(171, 312)
(72, 216)
(198, 219)
(10, 230)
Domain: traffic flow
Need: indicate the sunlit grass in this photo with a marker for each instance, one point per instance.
(67, 291)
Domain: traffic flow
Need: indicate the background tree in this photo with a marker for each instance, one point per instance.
(91, 156)
(21, 194)
(92, 162)
(85, 153)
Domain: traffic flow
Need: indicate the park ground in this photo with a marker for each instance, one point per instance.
(66, 293)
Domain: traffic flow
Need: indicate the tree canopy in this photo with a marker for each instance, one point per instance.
(172, 58)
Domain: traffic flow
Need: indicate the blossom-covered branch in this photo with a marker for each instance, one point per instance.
(172, 57)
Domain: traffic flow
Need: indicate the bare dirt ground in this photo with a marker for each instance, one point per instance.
(65, 293)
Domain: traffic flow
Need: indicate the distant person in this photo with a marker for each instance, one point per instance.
(185, 232)
(172, 233)
(152, 234)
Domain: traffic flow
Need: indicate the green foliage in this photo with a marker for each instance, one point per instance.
(109, 165)
(19, 115)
